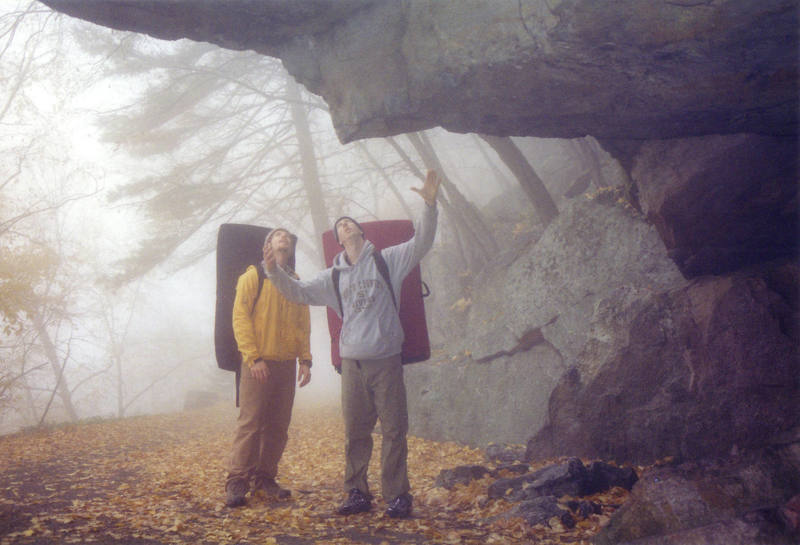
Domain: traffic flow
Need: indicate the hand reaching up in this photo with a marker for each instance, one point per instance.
(430, 188)
(269, 258)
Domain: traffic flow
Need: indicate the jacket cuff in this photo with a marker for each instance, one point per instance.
(251, 363)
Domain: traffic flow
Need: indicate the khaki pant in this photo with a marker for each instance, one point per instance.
(373, 389)
(263, 424)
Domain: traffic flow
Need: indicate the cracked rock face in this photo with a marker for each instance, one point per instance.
(705, 368)
(592, 258)
(552, 68)
(574, 287)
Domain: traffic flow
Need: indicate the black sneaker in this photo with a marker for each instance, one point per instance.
(400, 507)
(356, 502)
(234, 494)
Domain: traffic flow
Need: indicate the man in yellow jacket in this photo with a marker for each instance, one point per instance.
(272, 334)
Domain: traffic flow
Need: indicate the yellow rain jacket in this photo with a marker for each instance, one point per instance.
(276, 329)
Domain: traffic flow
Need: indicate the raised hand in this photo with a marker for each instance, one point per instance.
(430, 188)
(269, 257)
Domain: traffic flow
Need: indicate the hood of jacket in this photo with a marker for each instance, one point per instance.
(340, 260)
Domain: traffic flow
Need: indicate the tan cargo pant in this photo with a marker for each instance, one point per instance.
(265, 411)
(373, 389)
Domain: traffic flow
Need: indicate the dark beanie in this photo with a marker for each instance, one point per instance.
(336, 233)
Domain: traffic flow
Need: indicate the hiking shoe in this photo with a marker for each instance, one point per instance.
(268, 487)
(356, 502)
(234, 494)
(400, 507)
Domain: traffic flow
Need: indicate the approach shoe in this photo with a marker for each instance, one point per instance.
(400, 507)
(234, 494)
(356, 502)
(268, 487)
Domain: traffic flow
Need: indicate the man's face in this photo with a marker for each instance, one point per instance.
(345, 228)
(280, 241)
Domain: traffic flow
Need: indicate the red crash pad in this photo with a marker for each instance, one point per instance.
(416, 346)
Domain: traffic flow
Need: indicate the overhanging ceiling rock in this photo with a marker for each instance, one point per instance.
(615, 69)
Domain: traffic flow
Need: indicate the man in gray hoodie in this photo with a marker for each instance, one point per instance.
(370, 345)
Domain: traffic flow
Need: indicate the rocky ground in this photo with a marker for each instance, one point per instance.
(159, 480)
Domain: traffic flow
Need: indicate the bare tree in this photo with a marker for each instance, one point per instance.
(468, 260)
(501, 178)
(586, 154)
(386, 178)
(58, 366)
(481, 245)
(241, 139)
(308, 164)
(533, 186)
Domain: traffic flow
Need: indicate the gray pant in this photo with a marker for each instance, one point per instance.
(373, 389)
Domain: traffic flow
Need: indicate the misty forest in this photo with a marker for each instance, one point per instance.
(613, 306)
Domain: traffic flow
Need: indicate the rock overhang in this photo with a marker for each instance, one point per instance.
(614, 70)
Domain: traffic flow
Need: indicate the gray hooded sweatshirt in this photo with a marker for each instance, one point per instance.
(371, 327)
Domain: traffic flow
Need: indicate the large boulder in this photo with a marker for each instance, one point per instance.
(534, 316)
(503, 400)
(591, 340)
(704, 369)
(721, 203)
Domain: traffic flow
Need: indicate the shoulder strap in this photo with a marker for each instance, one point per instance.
(335, 277)
(261, 277)
(383, 268)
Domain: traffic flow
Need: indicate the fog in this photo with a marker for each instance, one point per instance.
(121, 157)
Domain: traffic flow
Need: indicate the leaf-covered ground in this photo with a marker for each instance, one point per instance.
(159, 480)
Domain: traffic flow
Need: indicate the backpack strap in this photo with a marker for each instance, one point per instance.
(335, 278)
(382, 267)
(261, 277)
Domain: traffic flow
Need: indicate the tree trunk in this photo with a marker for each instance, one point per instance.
(308, 161)
(389, 182)
(32, 416)
(533, 186)
(480, 243)
(120, 382)
(442, 198)
(502, 179)
(61, 387)
(580, 184)
(589, 150)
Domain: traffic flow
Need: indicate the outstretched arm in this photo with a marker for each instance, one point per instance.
(405, 256)
(317, 291)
